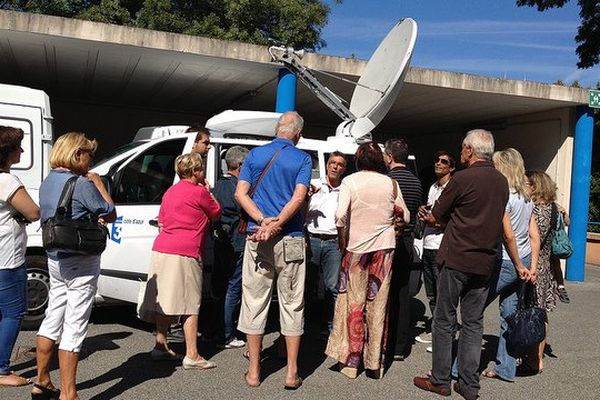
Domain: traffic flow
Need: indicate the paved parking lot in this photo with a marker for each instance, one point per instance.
(116, 363)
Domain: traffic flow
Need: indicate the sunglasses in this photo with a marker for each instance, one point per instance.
(442, 160)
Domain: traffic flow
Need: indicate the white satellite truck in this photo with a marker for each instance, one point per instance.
(139, 173)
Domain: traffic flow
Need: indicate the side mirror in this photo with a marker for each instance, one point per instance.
(107, 182)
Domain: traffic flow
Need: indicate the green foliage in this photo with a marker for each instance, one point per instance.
(296, 23)
(588, 33)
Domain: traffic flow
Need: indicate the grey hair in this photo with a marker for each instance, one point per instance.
(235, 156)
(290, 124)
(482, 143)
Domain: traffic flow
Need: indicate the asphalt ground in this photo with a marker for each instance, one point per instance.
(115, 361)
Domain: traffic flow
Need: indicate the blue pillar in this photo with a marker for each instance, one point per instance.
(286, 91)
(580, 191)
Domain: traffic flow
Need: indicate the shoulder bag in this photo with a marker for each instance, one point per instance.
(66, 235)
(527, 326)
(243, 224)
(561, 244)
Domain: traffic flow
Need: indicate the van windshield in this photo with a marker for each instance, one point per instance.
(120, 150)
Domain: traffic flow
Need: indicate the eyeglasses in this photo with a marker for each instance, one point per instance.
(442, 160)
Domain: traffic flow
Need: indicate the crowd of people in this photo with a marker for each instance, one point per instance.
(485, 229)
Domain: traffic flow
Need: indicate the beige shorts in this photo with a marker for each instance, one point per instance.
(282, 258)
(174, 286)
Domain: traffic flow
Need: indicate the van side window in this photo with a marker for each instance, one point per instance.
(314, 156)
(148, 176)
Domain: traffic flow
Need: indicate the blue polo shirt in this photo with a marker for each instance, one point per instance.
(291, 167)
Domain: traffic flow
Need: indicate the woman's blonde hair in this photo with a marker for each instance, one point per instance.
(510, 163)
(542, 187)
(67, 150)
(186, 164)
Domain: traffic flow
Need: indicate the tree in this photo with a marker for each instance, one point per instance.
(588, 33)
(296, 23)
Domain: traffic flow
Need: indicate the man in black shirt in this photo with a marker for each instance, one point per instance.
(400, 338)
(229, 248)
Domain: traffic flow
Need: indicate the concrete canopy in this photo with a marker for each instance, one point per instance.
(136, 69)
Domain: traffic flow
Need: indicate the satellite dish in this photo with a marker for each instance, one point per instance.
(377, 88)
(380, 83)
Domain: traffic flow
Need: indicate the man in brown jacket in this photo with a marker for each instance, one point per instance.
(471, 207)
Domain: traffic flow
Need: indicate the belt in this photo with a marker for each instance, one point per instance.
(323, 236)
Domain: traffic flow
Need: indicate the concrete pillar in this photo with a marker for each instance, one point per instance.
(286, 91)
(580, 191)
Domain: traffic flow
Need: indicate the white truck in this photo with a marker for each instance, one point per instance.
(139, 173)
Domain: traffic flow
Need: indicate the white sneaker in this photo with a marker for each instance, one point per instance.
(429, 349)
(233, 344)
(424, 338)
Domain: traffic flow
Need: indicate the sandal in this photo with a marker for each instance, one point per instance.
(563, 296)
(14, 380)
(297, 383)
(490, 373)
(47, 393)
(248, 383)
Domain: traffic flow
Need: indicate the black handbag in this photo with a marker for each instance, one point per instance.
(66, 235)
(527, 326)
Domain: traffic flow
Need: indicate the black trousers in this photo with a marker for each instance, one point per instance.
(399, 335)
(471, 291)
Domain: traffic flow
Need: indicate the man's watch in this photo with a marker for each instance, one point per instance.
(260, 220)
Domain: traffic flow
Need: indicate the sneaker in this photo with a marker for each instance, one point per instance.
(424, 338)
(199, 363)
(234, 343)
(429, 349)
(563, 296)
(165, 355)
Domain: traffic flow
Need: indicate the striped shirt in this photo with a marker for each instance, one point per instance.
(412, 192)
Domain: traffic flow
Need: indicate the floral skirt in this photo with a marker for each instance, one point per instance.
(360, 322)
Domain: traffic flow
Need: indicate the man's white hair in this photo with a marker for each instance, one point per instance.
(290, 124)
(482, 143)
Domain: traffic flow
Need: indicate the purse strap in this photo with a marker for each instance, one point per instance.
(66, 197)
(264, 171)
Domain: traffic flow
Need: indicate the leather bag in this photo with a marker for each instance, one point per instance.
(527, 326)
(66, 235)
(561, 244)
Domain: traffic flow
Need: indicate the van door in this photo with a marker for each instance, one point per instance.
(138, 189)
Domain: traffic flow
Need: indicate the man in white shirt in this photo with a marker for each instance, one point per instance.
(444, 166)
(320, 221)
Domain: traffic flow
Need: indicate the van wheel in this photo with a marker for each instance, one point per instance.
(38, 287)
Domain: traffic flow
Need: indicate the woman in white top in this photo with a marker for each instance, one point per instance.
(16, 209)
(520, 251)
(368, 202)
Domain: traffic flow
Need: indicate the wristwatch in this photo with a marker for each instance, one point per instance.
(260, 220)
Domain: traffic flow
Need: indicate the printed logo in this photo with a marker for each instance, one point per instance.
(115, 235)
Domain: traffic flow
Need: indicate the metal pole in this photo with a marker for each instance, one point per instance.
(286, 91)
(580, 192)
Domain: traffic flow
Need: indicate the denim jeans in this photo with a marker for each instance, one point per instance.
(233, 297)
(326, 256)
(13, 306)
(471, 291)
(431, 273)
(507, 285)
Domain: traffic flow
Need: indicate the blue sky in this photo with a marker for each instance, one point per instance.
(483, 37)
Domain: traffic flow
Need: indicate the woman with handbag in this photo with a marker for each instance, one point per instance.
(368, 203)
(174, 285)
(16, 210)
(543, 193)
(520, 251)
(73, 277)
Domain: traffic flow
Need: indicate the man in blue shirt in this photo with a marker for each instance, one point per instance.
(276, 246)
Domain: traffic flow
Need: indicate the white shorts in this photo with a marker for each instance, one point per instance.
(73, 284)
